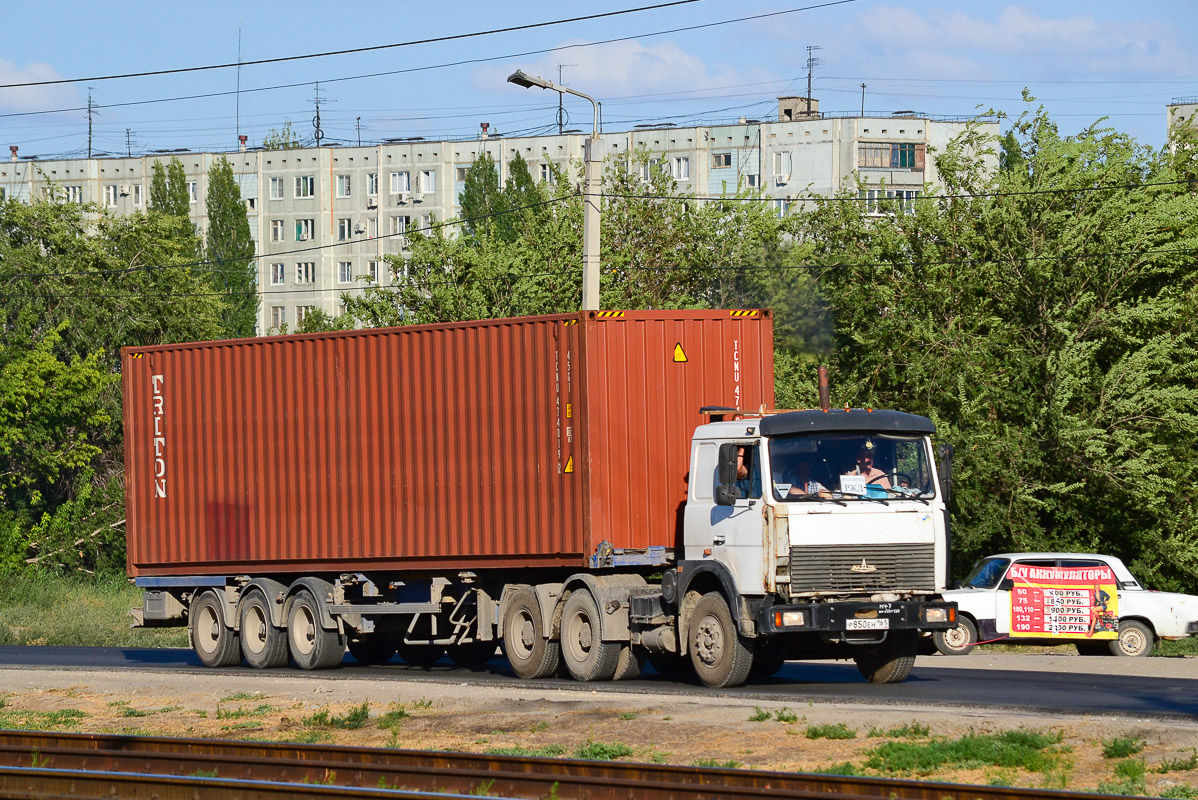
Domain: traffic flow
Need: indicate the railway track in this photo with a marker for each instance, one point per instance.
(54, 765)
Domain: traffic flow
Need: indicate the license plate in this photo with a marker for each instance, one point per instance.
(868, 624)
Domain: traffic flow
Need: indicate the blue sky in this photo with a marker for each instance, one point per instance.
(1082, 60)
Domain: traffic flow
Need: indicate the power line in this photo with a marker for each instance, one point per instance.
(348, 51)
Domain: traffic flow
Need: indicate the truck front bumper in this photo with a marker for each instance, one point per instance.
(857, 617)
(1192, 628)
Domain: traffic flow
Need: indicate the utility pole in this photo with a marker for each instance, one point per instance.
(318, 133)
(128, 144)
(812, 63)
(359, 131)
(91, 109)
(237, 105)
(561, 112)
(863, 99)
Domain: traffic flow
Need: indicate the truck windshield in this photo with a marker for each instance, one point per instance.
(850, 467)
(986, 573)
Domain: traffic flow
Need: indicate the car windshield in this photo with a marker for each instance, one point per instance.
(839, 467)
(986, 573)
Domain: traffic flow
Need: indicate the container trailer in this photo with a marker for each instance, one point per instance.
(587, 491)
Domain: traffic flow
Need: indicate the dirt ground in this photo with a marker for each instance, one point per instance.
(513, 717)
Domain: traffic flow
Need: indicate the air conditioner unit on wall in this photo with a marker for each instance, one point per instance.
(303, 237)
(372, 203)
(418, 197)
(124, 190)
(403, 198)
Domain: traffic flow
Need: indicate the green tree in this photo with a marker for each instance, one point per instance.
(168, 189)
(483, 203)
(1046, 323)
(229, 252)
(284, 139)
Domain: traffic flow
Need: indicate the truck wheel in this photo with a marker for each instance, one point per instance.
(530, 653)
(214, 643)
(263, 645)
(630, 664)
(372, 648)
(720, 656)
(890, 662)
(586, 656)
(1135, 639)
(312, 647)
(767, 660)
(957, 641)
(472, 654)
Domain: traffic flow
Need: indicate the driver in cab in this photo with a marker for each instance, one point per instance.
(865, 467)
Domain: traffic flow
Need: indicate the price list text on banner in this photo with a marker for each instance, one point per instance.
(1073, 602)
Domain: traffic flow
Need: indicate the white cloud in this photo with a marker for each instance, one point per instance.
(34, 98)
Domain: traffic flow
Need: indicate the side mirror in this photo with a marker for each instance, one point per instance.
(1006, 585)
(725, 495)
(945, 453)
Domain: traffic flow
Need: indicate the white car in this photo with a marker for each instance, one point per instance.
(1090, 601)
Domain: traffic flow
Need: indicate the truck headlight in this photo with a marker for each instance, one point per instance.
(789, 619)
(936, 614)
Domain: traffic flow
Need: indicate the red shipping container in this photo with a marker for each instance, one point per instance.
(500, 443)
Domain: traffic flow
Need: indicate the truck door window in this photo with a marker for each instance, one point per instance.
(748, 472)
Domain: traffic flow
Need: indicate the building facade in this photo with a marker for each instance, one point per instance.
(325, 218)
(1182, 111)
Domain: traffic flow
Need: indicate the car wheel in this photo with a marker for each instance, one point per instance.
(957, 641)
(1135, 639)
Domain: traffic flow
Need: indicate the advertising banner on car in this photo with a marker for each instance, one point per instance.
(1064, 601)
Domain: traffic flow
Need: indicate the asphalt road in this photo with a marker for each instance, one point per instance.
(1153, 687)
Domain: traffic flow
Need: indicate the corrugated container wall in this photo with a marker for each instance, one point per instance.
(500, 443)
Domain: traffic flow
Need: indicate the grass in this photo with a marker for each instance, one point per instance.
(843, 768)
(42, 609)
(715, 762)
(1129, 778)
(911, 730)
(600, 751)
(836, 731)
(1178, 764)
(1032, 750)
(544, 751)
(353, 719)
(1122, 746)
(242, 711)
(16, 719)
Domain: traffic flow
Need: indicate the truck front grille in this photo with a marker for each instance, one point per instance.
(862, 568)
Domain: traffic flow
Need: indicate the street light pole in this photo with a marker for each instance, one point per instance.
(592, 191)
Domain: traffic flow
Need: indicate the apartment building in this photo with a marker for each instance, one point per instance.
(1182, 111)
(324, 218)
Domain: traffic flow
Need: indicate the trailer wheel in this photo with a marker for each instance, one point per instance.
(371, 648)
(891, 661)
(312, 647)
(214, 642)
(1135, 639)
(586, 656)
(530, 652)
(263, 645)
(631, 662)
(472, 654)
(720, 655)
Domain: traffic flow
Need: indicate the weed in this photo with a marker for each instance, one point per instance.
(715, 762)
(1178, 764)
(1122, 746)
(242, 711)
(1181, 791)
(912, 730)
(355, 718)
(1032, 750)
(393, 718)
(832, 731)
(126, 711)
(483, 789)
(546, 751)
(37, 760)
(600, 751)
(204, 773)
(328, 779)
(786, 716)
(423, 702)
(539, 727)
(1129, 778)
(238, 696)
(656, 756)
(40, 720)
(666, 718)
(248, 725)
(1001, 777)
(760, 715)
(628, 715)
(310, 737)
(843, 768)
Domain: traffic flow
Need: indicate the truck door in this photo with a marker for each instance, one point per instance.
(732, 534)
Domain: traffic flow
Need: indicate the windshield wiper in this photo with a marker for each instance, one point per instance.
(900, 494)
(812, 498)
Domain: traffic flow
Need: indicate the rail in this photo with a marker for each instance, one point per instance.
(43, 765)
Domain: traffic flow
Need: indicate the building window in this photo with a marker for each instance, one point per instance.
(251, 204)
(753, 180)
(548, 174)
(372, 271)
(462, 172)
(302, 312)
(721, 160)
(781, 207)
(305, 186)
(305, 272)
(277, 272)
(890, 155)
(889, 201)
(426, 222)
(304, 229)
(782, 168)
(680, 168)
(399, 225)
(345, 230)
(343, 185)
(3, 194)
(372, 228)
(345, 272)
(276, 188)
(401, 182)
(137, 194)
(276, 230)
(193, 192)
(110, 195)
(428, 181)
(278, 316)
(372, 184)
(72, 194)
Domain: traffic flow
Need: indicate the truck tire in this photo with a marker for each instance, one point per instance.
(630, 664)
(372, 648)
(311, 646)
(957, 641)
(263, 645)
(890, 662)
(1135, 639)
(472, 654)
(767, 660)
(214, 642)
(585, 655)
(530, 653)
(720, 655)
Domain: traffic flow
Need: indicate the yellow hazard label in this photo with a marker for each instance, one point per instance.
(569, 410)
(569, 464)
(744, 313)
(679, 353)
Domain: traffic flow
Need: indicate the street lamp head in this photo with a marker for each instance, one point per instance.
(528, 81)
